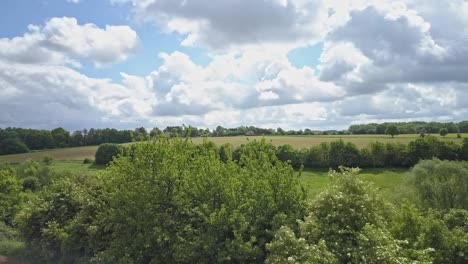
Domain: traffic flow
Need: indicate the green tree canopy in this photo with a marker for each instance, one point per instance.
(392, 130)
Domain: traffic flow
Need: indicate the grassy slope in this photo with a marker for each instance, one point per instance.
(79, 153)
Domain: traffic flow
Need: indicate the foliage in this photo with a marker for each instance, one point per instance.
(443, 132)
(106, 152)
(87, 161)
(12, 146)
(350, 219)
(287, 153)
(441, 184)
(56, 223)
(343, 154)
(392, 130)
(9, 196)
(441, 234)
(200, 208)
(410, 127)
(47, 160)
(287, 248)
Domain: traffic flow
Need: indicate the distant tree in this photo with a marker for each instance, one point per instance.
(106, 152)
(155, 132)
(392, 130)
(77, 138)
(464, 150)
(443, 132)
(60, 136)
(12, 146)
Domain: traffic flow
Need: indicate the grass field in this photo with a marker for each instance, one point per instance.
(79, 153)
(389, 180)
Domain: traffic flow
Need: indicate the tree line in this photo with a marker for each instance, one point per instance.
(172, 201)
(410, 128)
(337, 153)
(19, 140)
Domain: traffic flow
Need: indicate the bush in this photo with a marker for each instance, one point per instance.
(47, 160)
(347, 224)
(31, 184)
(287, 153)
(441, 184)
(87, 161)
(12, 146)
(106, 152)
(9, 196)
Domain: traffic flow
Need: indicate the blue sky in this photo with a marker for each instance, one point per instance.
(290, 63)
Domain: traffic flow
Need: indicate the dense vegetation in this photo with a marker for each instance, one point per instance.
(410, 128)
(172, 201)
(18, 140)
(376, 154)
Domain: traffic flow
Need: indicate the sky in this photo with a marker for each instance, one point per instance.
(293, 64)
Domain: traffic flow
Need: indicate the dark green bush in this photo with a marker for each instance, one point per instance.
(106, 152)
(87, 161)
(12, 146)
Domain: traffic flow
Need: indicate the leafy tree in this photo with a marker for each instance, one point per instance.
(287, 153)
(343, 154)
(423, 148)
(464, 150)
(77, 139)
(392, 130)
(287, 248)
(378, 153)
(12, 146)
(106, 152)
(61, 137)
(441, 184)
(349, 220)
(9, 196)
(225, 152)
(59, 224)
(170, 201)
(443, 132)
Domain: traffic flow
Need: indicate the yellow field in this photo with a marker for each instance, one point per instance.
(79, 153)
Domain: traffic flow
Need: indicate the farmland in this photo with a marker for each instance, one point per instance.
(215, 192)
(299, 142)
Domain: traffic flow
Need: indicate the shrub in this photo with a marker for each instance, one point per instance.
(441, 184)
(88, 161)
(287, 153)
(47, 160)
(12, 146)
(31, 184)
(346, 224)
(9, 196)
(106, 152)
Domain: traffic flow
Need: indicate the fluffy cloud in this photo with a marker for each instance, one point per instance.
(381, 60)
(63, 41)
(224, 24)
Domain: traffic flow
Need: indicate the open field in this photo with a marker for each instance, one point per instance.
(79, 153)
(389, 180)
